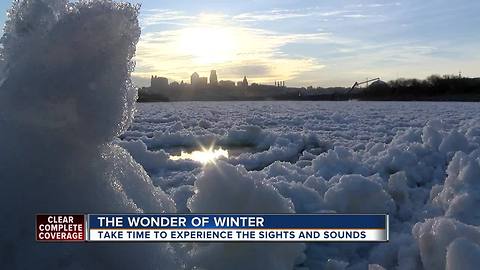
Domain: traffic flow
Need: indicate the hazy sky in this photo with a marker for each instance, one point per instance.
(306, 42)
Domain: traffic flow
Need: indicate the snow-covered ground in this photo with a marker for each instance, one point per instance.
(418, 162)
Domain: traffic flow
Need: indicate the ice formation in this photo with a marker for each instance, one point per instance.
(65, 95)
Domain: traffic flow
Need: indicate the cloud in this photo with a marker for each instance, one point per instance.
(353, 12)
(272, 15)
(163, 16)
(356, 16)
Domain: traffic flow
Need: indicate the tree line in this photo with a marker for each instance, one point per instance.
(434, 87)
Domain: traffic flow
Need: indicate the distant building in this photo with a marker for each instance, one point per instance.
(197, 81)
(280, 83)
(194, 78)
(229, 84)
(213, 77)
(244, 83)
(202, 82)
(158, 82)
(158, 85)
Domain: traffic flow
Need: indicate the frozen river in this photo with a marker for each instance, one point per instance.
(346, 123)
(417, 161)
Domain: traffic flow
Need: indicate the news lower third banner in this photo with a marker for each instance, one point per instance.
(212, 228)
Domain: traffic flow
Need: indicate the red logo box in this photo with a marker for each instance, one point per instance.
(60, 228)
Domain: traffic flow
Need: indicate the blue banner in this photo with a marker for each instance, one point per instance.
(236, 221)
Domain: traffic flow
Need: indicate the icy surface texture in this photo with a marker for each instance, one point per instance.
(419, 162)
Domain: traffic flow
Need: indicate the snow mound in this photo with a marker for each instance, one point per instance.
(358, 194)
(460, 195)
(65, 94)
(463, 254)
(223, 188)
(438, 236)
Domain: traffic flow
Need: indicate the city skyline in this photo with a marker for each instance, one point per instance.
(327, 43)
(213, 79)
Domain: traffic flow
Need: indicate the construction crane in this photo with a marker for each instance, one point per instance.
(364, 82)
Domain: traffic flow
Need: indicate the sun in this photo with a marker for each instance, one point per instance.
(208, 44)
(204, 156)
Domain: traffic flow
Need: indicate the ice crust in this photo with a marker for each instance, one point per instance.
(68, 144)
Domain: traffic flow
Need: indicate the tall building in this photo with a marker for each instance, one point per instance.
(243, 83)
(194, 78)
(213, 77)
(197, 81)
(202, 82)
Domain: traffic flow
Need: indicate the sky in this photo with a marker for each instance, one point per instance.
(306, 42)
